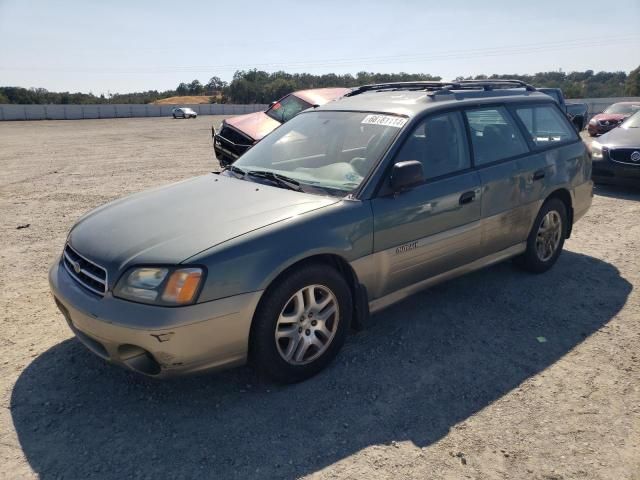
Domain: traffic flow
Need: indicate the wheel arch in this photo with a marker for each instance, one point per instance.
(564, 196)
(342, 266)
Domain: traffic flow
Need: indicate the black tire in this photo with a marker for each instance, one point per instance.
(174, 116)
(530, 260)
(264, 353)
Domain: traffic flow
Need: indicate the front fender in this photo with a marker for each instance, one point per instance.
(252, 261)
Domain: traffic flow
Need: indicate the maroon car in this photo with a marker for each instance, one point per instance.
(238, 134)
(611, 117)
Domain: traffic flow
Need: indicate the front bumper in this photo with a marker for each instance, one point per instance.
(606, 170)
(227, 151)
(153, 340)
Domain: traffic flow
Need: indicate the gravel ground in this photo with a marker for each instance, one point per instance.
(496, 375)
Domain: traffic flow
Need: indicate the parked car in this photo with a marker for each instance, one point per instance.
(183, 112)
(613, 116)
(616, 154)
(237, 134)
(576, 112)
(342, 211)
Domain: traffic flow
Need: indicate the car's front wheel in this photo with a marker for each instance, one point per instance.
(546, 238)
(301, 323)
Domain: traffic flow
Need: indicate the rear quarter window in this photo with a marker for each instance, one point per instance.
(546, 125)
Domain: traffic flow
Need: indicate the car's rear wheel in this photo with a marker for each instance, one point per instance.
(301, 323)
(546, 238)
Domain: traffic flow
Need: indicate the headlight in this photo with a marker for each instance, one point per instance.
(596, 150)
(160, 285)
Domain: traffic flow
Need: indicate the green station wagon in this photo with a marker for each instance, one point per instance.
(340, 212)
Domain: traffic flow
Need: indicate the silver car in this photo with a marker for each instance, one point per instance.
(183, 112)
(340, 212)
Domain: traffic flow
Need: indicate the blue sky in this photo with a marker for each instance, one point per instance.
(119, 46)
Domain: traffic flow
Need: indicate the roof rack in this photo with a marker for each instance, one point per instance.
(440, 88)
(485, 85)
(422, 85)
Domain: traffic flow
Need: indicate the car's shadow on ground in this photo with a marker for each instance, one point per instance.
(425, 365)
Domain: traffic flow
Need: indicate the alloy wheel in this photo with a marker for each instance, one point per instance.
(307, 324)
(549, 235)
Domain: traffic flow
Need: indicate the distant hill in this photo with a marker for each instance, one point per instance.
(184, 100)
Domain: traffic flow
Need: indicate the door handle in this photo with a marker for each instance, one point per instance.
(538, 175)
(467, 197)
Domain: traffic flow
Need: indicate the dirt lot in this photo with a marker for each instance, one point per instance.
(496, 375)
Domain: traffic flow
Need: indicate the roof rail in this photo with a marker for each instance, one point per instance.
(486, 85)
(420, 85)
(439, 88)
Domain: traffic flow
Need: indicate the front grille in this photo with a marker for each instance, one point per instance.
(623, 155)
(91, 276)
(609, 123)
(235, 136)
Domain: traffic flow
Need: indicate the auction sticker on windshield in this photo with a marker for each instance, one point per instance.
(385, 120)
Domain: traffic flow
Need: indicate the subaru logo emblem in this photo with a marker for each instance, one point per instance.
(635, 156)
(76, 267)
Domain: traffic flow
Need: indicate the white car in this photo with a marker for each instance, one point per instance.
(183, 112)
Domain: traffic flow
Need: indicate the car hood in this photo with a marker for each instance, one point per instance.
(621, 138)
(167, 225)
(610, 116)
(256, 125)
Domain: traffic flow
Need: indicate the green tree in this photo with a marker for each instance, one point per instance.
(196, 88)
(632, 85)
(183, 89)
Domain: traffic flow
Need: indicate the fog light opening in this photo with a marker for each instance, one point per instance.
(93, 345)
(138, 359)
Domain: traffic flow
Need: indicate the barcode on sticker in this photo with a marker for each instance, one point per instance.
(385, 120)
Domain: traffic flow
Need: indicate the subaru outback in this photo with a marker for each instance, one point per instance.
(342, 211)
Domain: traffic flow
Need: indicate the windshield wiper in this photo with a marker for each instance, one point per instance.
(233, 169)
(281, 180)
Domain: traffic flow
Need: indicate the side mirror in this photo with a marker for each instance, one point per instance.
(406, 175)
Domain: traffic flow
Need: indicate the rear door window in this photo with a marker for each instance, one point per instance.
(494, 135)
(546, 125)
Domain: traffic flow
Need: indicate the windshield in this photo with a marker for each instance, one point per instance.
(632, 122)
(329, 150)
(287, 108)
(622, 108)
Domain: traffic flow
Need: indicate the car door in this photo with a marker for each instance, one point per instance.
(547, 130)
(498, 147)
(433, 227)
